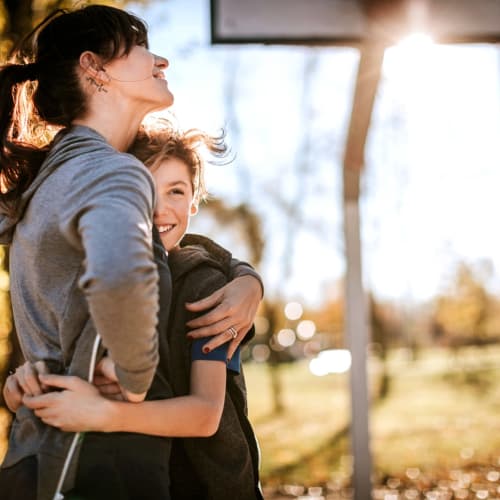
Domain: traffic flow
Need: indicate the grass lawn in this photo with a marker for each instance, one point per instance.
(317, 409)
(442, 412)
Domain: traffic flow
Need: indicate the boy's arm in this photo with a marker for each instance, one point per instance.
(80, 408)
(195, 415)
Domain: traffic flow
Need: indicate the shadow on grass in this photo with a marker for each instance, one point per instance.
(480, 379)
(316, 465)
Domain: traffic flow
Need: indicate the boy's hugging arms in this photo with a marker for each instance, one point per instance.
(206, 280)
(193, 279)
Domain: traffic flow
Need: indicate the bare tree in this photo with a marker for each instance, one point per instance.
(290, 205)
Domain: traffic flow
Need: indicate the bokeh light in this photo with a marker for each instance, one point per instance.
(318, 368)
(293, 310)
(306, 329)
(311, 348)
(286, 337)
(261, 353)
(330, 361)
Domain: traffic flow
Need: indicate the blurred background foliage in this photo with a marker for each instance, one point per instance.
(18, 17)
(5, 345)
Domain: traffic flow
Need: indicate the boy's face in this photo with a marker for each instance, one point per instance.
(174, 204)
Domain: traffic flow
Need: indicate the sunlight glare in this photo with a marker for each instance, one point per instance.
(410, 60)
(330, 361)
(415, 43)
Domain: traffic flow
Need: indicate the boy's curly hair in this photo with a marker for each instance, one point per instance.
(160, 140)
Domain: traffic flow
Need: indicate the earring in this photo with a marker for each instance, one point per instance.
(100, 86)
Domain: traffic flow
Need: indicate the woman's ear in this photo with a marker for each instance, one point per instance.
(91, 64)
(194, 208)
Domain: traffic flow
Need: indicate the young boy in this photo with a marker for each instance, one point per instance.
(224, 465)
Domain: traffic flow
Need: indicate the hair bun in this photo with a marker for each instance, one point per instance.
(26, 72)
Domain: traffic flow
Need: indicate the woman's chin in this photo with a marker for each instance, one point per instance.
(169, 99)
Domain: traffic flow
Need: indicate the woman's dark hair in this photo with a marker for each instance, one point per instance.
(40, 86)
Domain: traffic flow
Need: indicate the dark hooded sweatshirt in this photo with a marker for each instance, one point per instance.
(226, 464)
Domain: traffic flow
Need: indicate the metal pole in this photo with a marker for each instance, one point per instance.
(357, 333)
(356, 314)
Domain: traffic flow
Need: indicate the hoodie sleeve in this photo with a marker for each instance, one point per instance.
(107, 215)
(239, 268)
(6, 230)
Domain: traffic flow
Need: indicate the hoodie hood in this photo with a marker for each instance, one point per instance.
(66, 145)
(196, 250)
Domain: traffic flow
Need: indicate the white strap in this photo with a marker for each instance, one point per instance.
(58, 495)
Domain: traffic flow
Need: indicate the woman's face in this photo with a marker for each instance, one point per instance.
(174, 201)
(139, 76)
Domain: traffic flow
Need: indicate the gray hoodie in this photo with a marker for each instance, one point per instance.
(81, 261)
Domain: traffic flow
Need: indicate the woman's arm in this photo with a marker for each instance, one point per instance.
(80, 407)
(234, 305)
(107, 216)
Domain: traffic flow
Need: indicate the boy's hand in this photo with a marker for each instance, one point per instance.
(106, 381)
(77, 406)
(25, 381)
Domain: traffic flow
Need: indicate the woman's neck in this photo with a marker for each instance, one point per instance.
(118, 131)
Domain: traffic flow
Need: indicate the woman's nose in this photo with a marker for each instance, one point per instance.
(161, 62)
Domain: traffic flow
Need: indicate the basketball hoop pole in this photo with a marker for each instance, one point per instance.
(356, 314)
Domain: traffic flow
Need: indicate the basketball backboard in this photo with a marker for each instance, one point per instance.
(344, 22)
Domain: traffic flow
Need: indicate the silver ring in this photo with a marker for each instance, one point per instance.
(233, 331)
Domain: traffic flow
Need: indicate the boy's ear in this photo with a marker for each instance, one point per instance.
(194, 208)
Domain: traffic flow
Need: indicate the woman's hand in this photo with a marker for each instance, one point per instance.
(25, 381)
(235, 306)
(78, 407)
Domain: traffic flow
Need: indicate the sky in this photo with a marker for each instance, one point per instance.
(432, 175)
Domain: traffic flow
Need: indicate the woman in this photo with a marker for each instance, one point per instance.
(77, 213)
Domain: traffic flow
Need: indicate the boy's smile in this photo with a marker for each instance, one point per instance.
(174, 204)
(165, 229)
